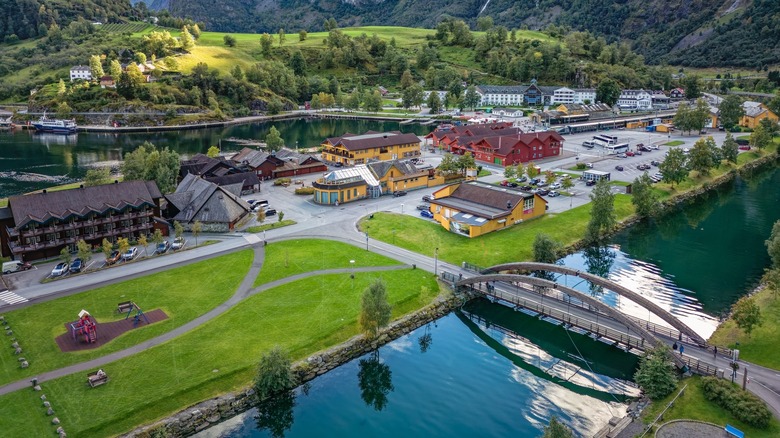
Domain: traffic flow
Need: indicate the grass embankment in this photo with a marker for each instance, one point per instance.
(291, 257)
(510, 245)
(674, 143)
(302, 317)
(183, 293)
(271, 226)
(693, 405)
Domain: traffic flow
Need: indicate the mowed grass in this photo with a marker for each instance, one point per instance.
(291, 257)
(302, 317)
(761, 346)
(183, 293)
(693, 405)
(510, 245)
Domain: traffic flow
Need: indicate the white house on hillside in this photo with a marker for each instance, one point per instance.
(584, 96)
(635, 100)
(563, 95)
(82, 72)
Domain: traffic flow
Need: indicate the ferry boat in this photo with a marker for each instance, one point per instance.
(6, 124)
(56, 126)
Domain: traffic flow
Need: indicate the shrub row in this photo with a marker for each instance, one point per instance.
(744, 405)
(304, 191)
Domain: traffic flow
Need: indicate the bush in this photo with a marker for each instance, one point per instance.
(581, 166)
(281, 181)
(304, 191)
(744, 405)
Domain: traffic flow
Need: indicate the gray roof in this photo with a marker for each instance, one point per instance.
(484, 200)
(502, 89)
(380, 168)
(374, 140)
(198, 199)
(43, 207)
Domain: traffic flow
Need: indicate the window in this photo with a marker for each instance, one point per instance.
(528, 204)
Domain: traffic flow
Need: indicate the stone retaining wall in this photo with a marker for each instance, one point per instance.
(203, 415)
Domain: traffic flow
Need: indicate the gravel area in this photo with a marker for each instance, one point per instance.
(688, 429)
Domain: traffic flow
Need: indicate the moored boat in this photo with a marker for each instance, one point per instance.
(57, 126)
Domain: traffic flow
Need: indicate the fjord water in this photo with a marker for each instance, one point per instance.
(507, 373)
(32, 161)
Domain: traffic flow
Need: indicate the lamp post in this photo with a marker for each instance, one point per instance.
(436, 262)
(393, 237)
(366, 240)
(352, 272)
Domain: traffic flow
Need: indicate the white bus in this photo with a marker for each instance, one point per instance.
(615, 149)
(605, 139)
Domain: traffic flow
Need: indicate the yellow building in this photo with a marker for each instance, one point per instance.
(397, 175)
(474, 208)
(352, 149)
(754, 113)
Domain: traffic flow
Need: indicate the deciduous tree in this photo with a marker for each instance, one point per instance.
(602, 213)
(197, 227)
(187, 41)
(302, 35)
(213, 152)
(266, 42)
(673, 167)
(107, 247)
(143, 242)
(773, 245)
(746, 314)
(471, 99)
(375, 310)
(229, 40)
(546, 249)
(96, 177)
(760, 137)
(692, 87)
(96, 67)
(731, 111)
(643, 197)
(434, 102)
(146, 163)
(701, 157)
(557, 429)
(729, 149)
(84, 251)
(608, 92)
(274, 139)
(65, 255)
(656, 375)
(274, 373)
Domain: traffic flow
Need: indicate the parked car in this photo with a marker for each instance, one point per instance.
(638, 152)
(654, 147)
(590, 182)
(270, 212)
(630, 154)
(541, 184)
(427, 198)
(522, 179)
(338, 165)
(744, 147)
(15, 266)
(163, 247)
(60, 269)
(555, 186)
(178, 243)
(423, 207)
(513, 184)
(130, 254)
(398, 193)
(553, 194)
(504, 183)
(542, 192)
(526, 188)
(643, 167)
(589, 165)
(655, 163)
(113, 257)
(426, 213)
(619, 168)
(686, 151)
(622, 155)
(76, 266)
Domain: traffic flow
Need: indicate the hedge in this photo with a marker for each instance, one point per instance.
(744, 405)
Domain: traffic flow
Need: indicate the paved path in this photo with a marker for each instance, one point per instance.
(244, 291)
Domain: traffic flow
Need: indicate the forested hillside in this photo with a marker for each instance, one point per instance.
(23, 19)
(740, 33)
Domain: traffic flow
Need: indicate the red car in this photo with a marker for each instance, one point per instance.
(629, 154)
(744, 147)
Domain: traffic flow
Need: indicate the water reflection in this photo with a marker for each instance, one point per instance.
(375, 380)
(426, 340)
(598, 260)
(275, 415)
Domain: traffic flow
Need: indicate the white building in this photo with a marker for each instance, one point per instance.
(501, 95)
(442, 95)
(563, 95)
(584, 96)
(635, 100)
(82, 72)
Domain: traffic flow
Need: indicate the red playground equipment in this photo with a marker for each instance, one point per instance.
(85, 328)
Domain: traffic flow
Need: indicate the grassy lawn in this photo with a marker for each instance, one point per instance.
(271, 226)
(302, 317)
(510, 245)
(761, 346)
(693, 405)
(674, 143)
(291, 257)
(183, 293)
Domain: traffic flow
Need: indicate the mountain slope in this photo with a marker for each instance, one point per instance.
(32, 18)
(681, 31)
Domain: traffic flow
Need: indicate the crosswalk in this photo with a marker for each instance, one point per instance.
(7, 298)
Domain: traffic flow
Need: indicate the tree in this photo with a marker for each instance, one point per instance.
(770, 126)
(260, 215)
(602, 213)
(187, 41)
(434, 102)
(772, 280)
(760, 137)
(692, 87)
(643, 197)
(65, 255)
(143, 242)
(84, 251)
(274, 139)
(230, 40)
(531, 170)
(281, 36)
(178, 229)
(298, 63)
(96, 67)
(115, 69)
(375, 310)
(466, 161)
(213, 152)
(567, 183)
(471, 98)
(682, 119)
(275, 414)
(731, 111)
(484, 23)
(61, 88)
(550, 177)
(274, 373)
(510, 172)
(746, 314)
(373, 101)
(656, 375)
(729, 149)
(97, 177)
(701, 157)
(302, 35)
(195, 31)
(700, 115)
(147, 163)
(281, 216)
(157, 237)
(608, 92)
(266, 42)
(557, 429)
(123, 245)
(140, 57)
(375, 381)
(673, 167)
(107, 247)
(412, 96)
(546, 249)
(773, 245)
(197, 227)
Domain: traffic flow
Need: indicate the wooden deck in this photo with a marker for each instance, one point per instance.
(107, 331)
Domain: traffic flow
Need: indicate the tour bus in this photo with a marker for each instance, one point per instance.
(615, 149)
(589, 144)
(605, 139)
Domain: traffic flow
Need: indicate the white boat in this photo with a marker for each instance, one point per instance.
(57, 126)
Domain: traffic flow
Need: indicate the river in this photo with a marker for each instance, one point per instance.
(32, 161)
(507, 373)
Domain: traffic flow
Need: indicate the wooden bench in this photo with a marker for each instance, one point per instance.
(125, 307)
(94, 380)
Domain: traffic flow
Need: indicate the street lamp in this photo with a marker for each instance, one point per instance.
(393, 237)
(436, 262)
(352, 272)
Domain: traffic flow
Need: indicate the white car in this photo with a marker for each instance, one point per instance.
(178, 243)
(130, 254)
(555, 186)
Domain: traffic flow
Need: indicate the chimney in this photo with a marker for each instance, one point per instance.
(116, 181)
(508, 205)
(81, 186)
(44, 191)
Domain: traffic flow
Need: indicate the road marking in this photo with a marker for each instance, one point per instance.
(9, 297)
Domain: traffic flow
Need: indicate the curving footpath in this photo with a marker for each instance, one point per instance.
(244, 291)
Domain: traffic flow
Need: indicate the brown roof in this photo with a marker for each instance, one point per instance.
(373, 140)
(503, 145)
(484, 200)
(42, 207)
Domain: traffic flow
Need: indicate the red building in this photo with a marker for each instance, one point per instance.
(507, 150)
(453, 132)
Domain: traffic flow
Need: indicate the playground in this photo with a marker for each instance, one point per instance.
(83, 333)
